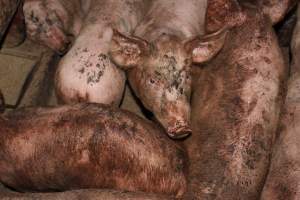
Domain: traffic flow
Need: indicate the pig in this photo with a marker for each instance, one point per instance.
(229, 12)
(88, 145)
(86, 194)
(86, 73)
(236, 101)
(54, 23)
(283, 180)
(159, 55)
(8, 8)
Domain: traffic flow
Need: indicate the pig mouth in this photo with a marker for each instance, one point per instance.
(179, 132)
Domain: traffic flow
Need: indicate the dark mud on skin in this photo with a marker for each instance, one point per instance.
(235, 109)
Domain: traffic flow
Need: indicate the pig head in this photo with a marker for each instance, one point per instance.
(160, 73)
(51, 23)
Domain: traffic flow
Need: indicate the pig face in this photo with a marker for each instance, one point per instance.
(45, 23)
(159, 73)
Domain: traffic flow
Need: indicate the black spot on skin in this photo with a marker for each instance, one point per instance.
(85, 50)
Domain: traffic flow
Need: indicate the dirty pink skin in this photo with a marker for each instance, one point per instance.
(158, 65)
(91, 194)
(88, 146)
(237, 98)
(54, 23)
(86, 73)
(7, 11)
(283, 180)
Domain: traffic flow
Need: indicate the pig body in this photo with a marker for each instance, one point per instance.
(235, 109)
(283, 182)
(8, 8)
(87, 146)
(54, 23)
(159, 64)
(86, 73)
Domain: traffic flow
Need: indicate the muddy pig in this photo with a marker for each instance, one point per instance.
(86, 73)
(54, 23)
(229, 13)
(235, 110)
(284, 176)
(159, 64)
(87, 146)
(8, 8)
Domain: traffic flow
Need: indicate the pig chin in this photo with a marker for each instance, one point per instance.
(176, 121)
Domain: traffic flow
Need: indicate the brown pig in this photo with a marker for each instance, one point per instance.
(87, 146)
(54, 23)
(159, 64)
(86, 73)
(229, 13)
(283, 182)
(235, 110)
(7, 10)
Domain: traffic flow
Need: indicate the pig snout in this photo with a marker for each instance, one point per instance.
(176, 119)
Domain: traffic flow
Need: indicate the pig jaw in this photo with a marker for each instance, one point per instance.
(176, 119)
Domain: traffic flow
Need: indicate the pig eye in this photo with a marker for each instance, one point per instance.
(152, 81)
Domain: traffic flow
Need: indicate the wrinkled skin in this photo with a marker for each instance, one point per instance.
(159, 64)
(235, 110)
(88, 146)
(86, 73)
(8, 8)
(54, 23)
(284, 176)
(82, 195)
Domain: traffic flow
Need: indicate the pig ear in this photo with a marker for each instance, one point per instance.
(206, 47)
(127, 52)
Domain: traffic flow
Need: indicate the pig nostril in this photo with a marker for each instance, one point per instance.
(180, 133)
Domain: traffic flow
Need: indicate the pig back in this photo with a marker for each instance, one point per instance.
(235, 110)
(87, 146)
